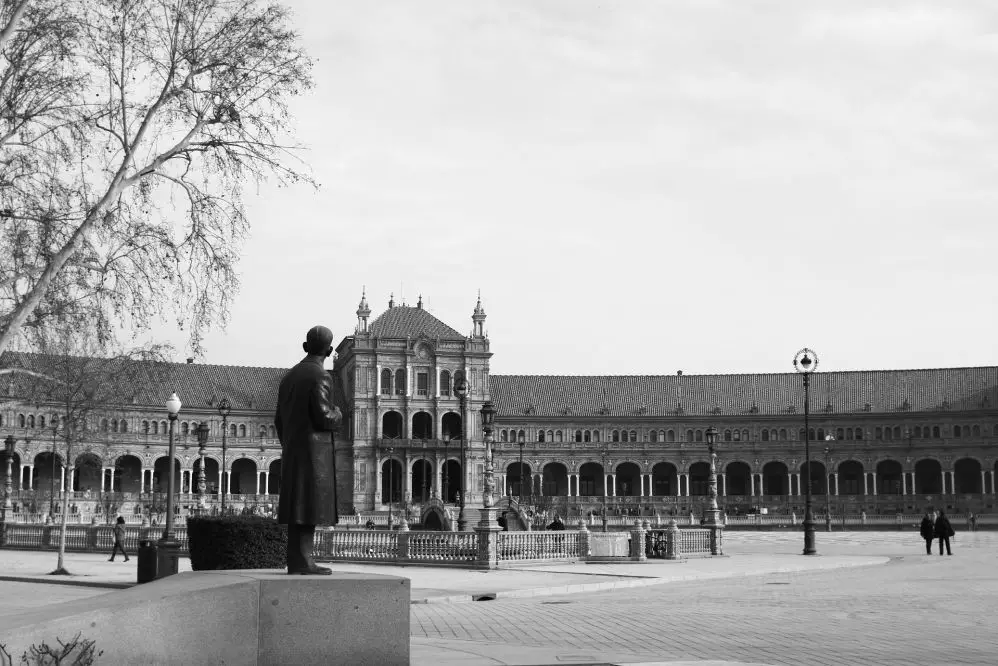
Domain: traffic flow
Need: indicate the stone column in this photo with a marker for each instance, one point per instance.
(266, 483)
(873, 483)
(103, 479)
(539, 479)
(72, 475)
(142, 480)
(379, 480)
(723, 486)
(944, 482)
(790, 485)
(835, 476)
(752, 484)
(613, 485)
(62, 478)
(904, 483)
(984, 485)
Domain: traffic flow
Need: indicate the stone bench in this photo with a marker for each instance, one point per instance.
(233, 617)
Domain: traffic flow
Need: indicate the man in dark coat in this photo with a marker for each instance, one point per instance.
(927, 530)
(305, 421)
(944, 531)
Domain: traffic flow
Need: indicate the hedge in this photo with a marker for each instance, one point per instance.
(236, 542)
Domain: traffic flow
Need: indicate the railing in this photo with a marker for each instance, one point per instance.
(82, 539)
(534, 546)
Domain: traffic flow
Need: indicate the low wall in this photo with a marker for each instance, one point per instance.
(233, 617)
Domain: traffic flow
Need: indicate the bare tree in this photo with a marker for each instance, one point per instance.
(134, 127)
(81, 383)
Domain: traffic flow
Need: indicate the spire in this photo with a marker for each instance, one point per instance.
(419, 303)
(363, 312)
(391, 300)
(478, 318)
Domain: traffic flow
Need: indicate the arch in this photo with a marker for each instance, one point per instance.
(386, 382)
(244, 477)
(15, 468)
(967, 476)
(928, 477)
(888, 477)
(391, 425)
(851, 481)
(391, 481)
(451, 480)
(592, 480)
(628, 480)
(774, 478)
(273, 477)
(514, 474)
(450, 426)
(160, 475)
(47, 472)
(421, 481)
(422, 426)
(88, 472)
(818, 478)
(400, 382)
(699, 478)
(555, 480)
(737, 478)
(664, 480)
(128, 474)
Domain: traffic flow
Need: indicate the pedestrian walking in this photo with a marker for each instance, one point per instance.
(943, 532)
(119, 539)
(928, 531)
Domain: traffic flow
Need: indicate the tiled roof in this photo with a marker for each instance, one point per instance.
(672, 396)
(402, 321)
(199, 386)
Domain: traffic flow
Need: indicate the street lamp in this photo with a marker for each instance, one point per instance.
(805, 363)
(391, 483)
(828, 452)
(224, 407)
(521, 440)
(603, 453)
(202, 431)
(444, 496)
(712, 519)
(55, 432)
(461, 391)
(9, 450)
(168, 546)
(488, 505)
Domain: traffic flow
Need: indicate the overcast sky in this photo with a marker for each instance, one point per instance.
(642, 187)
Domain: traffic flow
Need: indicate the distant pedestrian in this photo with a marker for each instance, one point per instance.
(943, 532)
(119, 539)
(971, 521)
(928, 530)
(556, 524)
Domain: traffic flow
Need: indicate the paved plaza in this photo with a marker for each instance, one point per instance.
(867, 598)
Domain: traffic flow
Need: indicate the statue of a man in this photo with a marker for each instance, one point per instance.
(305, 421)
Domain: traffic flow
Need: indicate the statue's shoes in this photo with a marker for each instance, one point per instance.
(311, 571)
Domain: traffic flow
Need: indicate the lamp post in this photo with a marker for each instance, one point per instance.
(224, 407)
(488, 518)
(391, 483)
(828, 512)
(521, 440)
(461, 391)
(444, 496)
(55, 432)
(805, 363)
(202, 431)
(603, 453)
(168, 546)
(9, 450)
(713, 517)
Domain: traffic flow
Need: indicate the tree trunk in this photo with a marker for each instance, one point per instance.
(60, 570)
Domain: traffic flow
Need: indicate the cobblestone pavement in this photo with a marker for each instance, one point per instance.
(917, 609)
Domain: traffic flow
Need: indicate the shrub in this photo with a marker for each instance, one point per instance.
(236, 542)
(77, 652)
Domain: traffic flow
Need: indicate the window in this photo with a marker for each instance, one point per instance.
(840, 434)
(821, 434)
(957, 432)
(31, 420)
(634, 436)
(878, 433)
(745, 435)
(587, 436)
(242, 430)
(422, 383)
(184, 428)
(232, 430)
(550, 436)
(445, 382)
(689, 435)
(727, 435)
(124, 425)
(400, 382)
(578, 435)
(386, 382)
(848, 433)
(765, 435)
(155, 427)
(737, 436)
(504, 435)
(595, 435)
(114, 425)
(918, 432)
(661, 435)
(263, 431)
(615, 436)
(522, 434)
(670, 435)
(801, 435)
(859, 435)
(540, 435)
(811, 433)
(41, 421)
(977, 431)
(783, 435)
(897, 432)
(272, 431)
(20, 421)
(558, 437)
(699, 435)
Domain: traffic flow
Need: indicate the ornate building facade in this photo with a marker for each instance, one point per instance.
(881, 440)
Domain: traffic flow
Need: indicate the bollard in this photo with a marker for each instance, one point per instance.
(638, 542)
(583, 540)
(672, 551)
